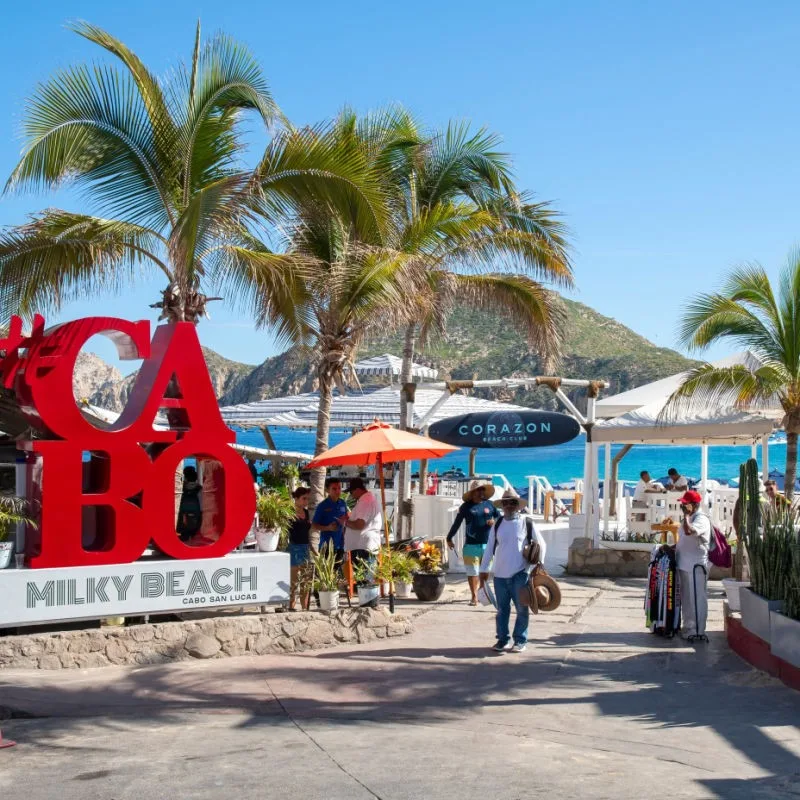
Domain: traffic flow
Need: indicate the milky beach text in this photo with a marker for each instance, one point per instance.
(146, 588)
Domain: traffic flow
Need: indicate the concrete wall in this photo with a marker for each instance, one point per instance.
(216, 637)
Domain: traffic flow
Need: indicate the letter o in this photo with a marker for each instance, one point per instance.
(236, 507)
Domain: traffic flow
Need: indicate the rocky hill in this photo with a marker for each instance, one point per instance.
(475, 345)
(105, 386)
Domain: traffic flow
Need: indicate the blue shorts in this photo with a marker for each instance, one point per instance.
(472, 557)
(298, 554)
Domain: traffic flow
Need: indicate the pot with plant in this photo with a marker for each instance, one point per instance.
(770, 558)
(12, 511)
(403, 568)
(326, 578)
(364, 578)
(784, 625)
(275, 513)
(429, 580)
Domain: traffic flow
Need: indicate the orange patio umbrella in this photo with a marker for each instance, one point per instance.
(379, 444)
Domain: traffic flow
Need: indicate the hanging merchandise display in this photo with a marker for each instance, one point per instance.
(662, 603)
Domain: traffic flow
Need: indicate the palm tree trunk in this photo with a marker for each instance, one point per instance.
(403, 519)
(791, 464)
(323, 431)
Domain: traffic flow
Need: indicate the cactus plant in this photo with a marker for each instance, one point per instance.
(791, 597)
(749, 511)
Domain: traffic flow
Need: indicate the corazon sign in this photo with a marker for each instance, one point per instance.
(107, 511)
(506, 429)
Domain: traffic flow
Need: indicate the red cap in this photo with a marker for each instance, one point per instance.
(691, 497)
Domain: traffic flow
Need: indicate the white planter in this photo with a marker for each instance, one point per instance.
(329, 601)
(755, 612)
(732, 588)
(385, 588)
(6, 551)
(267, 540)
(403, 590)
(785, 638)
(368, 595)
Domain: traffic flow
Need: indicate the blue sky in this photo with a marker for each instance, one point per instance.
(666, 133)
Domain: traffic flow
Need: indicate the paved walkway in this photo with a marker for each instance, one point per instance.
(595, 708)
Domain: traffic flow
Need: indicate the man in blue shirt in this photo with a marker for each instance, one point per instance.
(329, 518)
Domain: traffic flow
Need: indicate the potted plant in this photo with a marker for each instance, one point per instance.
(384, 572)
(784, 626)
(428, 578)
(12, 511)
(403, 568)
(363, 576)
(275, 512)
(770, 557)
(326, 578)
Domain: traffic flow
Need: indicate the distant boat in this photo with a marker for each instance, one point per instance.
(779, 437)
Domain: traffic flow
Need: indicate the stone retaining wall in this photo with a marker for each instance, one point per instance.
(215, 637)
(604, 562)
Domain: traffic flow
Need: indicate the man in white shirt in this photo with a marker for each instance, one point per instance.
(677, 483)
(691, 553)
(506, 540)
(646, 485)
(362, 534)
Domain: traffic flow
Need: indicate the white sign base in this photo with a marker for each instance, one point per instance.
(39, 596)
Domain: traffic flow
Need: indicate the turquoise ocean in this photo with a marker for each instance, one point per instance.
(561, 463)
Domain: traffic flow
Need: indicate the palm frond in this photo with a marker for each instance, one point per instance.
(312, 166)
(459, 161)
(532, 310)
(60, 256)
(711, 318)
(225, 80)
(707, 386)
(273, 287)
(90, 126)
(162, 123)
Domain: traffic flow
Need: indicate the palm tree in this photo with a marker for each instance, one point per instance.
(748, 312)
(461, 216)
(161, 162)
(350, 276)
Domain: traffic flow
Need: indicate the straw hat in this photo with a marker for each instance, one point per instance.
(541, 592)
(510, 494)
(477, 484)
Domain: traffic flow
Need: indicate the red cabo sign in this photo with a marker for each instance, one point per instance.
(108, 510)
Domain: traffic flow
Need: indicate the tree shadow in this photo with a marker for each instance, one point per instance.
(661, 685)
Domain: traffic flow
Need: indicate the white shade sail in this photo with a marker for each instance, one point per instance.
(713, 426)
(354, 410)
(659, 391)
(391, 365)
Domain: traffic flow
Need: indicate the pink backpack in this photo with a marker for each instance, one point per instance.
(719, 551)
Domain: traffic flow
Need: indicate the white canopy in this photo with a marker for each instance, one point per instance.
(659, 391)
(391, 365)
(704, 426)
(104, 417)
(354, 410)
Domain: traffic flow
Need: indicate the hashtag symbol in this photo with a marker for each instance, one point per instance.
(11, 359)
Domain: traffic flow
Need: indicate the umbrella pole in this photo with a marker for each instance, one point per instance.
(379, 464)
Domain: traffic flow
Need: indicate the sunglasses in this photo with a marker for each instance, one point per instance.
(510, 502)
